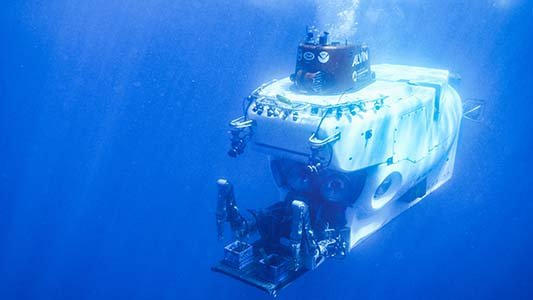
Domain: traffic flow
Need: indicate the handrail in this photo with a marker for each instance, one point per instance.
(319, 143)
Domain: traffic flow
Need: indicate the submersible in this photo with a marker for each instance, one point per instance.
(351, 146)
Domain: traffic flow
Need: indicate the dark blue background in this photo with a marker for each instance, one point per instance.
(112, 132)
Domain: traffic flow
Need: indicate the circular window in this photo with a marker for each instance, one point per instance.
(387, 190)
(335, 188)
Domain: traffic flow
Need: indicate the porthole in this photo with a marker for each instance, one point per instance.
(387, 190)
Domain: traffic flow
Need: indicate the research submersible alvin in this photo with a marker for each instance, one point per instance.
(351, 146)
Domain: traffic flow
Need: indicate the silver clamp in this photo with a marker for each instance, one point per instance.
(241, 123)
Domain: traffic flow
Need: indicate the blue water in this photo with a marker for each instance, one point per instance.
(113, 122)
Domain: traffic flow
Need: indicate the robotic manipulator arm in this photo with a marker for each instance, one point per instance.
(227, 211)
